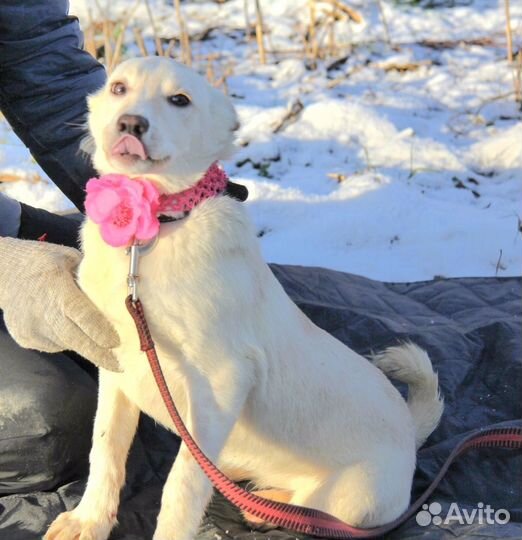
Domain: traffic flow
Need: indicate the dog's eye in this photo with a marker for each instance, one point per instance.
(118, 88)
(179, 100)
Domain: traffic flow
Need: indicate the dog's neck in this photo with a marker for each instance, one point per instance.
(165, 183)
(169, 183)
(179, 177)
(131, 209)
(211, 184)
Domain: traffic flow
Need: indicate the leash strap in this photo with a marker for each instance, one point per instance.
(297, 518)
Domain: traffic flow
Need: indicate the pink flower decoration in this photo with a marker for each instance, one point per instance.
(125, 209)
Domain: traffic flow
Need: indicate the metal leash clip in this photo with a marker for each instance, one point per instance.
(136, 251)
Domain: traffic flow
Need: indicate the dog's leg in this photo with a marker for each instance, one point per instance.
(114, 428)
(212, 413)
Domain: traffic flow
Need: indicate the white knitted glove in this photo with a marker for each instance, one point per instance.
(43, 307)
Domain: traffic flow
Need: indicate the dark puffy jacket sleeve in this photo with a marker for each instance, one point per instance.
(36, 224)
(45, 77)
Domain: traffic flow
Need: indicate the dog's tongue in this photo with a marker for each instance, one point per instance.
(128, 144)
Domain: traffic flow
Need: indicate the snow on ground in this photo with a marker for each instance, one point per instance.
(398, 176)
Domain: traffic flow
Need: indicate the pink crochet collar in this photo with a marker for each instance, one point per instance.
(131, 209)
(213, 183)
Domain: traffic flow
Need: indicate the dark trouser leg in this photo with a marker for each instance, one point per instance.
(47, 406)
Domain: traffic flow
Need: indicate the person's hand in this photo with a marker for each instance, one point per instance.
(43, 307)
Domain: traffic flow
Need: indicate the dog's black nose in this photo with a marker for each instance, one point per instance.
(133, 124)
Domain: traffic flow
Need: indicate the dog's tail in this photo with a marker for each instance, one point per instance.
(410, 364)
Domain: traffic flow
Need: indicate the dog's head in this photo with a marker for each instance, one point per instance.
(157, 117)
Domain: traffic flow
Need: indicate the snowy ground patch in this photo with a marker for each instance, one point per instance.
(403, 162)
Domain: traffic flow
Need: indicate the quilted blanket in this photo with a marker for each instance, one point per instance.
(472, 331)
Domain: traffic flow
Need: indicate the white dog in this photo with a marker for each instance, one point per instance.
(268, 395)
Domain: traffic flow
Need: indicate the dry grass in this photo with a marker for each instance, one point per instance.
(509, 33)
(260, 37)
(517, 78)
(33, 178)
(353, 14)
(313, 44)
(157, 41)
(514, 60)
(140, 42)
(291, 115)
(320, 40)
(186, 52)
(105, 38)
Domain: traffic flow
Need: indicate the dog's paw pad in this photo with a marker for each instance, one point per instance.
(68, 526)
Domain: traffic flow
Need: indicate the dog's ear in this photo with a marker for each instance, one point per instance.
(223, 111)
(223, 123)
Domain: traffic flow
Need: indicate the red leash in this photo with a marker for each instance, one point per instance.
(289, 516)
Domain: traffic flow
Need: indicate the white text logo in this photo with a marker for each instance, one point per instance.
(482, 514)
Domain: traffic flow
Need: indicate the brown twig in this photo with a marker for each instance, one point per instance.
(138, 37)
(157, 40)
(325, 32)
(352, 13)
(8, 177)
(121, 36)
(509, 35)
(291, 116)
(107, 46)
(259, 33)
(403, 68)
(184, 38)
(517, 77)
(117, 49)
(211, 76)
(299, 52)
(452, 44)
(338, 177)
(499, 265)
(90, 43)
(312, 37)
(170, 48)
(222, 81)
(331, 32)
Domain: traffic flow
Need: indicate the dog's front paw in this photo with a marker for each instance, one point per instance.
(69, 526)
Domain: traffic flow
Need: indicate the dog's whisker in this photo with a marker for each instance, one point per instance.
(83, 126)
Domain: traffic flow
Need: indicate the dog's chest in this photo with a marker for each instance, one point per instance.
(166, 276)
(138, 384)
(180, 290)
